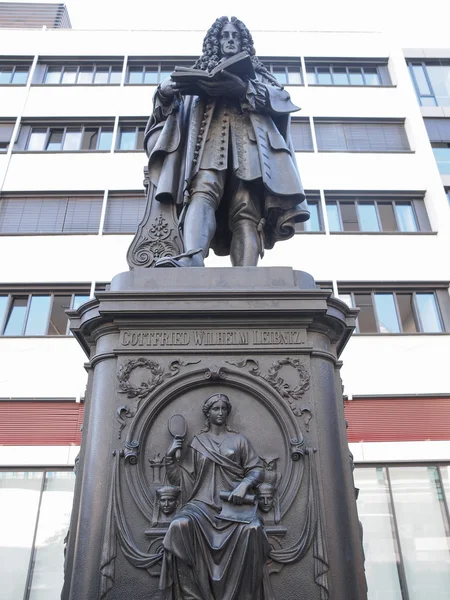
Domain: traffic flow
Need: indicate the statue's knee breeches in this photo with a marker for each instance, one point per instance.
(245, 206)
(208, 185)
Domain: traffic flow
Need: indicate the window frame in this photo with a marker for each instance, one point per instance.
(422, 224)
(65, 127)
(312, 197)
(285, 64)
(312, 66)
(159, 63)
(78, 66)
(51, 293)
(349, 290)
(139, 127)
(424, 64)
(317, 121)
(14, 67)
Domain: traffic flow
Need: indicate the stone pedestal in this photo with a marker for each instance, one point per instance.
(160, 342)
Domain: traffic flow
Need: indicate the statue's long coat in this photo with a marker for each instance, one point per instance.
(194, 132)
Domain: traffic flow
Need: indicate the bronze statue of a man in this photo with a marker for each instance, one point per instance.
(220, 149)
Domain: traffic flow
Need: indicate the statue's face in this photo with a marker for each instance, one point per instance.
(266, 501)
(218, 413)
(230, 40)
(167, 504)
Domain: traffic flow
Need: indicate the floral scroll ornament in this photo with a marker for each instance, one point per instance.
(158, 242)
(292, 394)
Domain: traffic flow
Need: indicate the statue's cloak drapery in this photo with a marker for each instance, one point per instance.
(175, 140)
(227, 559)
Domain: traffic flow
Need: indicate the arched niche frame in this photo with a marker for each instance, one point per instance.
(200, 384)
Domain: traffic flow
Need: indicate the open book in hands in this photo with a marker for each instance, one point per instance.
(239, 64)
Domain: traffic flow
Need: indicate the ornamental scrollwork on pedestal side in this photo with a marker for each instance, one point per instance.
(292, 394)
(158, 241)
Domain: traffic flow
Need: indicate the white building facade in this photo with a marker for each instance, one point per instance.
(73, 105)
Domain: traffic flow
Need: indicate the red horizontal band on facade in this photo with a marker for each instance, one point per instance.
(398, 419)
(40, 423)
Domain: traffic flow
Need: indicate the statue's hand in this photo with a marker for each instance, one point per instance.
(237, 495)
(168, 88)
(227, 85)
(177, 444)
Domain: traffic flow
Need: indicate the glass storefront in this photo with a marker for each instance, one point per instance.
(35, 510)
(403, 510)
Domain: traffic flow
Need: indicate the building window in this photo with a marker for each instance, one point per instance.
(439, 133)
(441, 153)
(404, 513)
(431, 80)
(337, 73)
(124, 212)
(14, 74)
(84, 74)
(376, 215)
(361, 136)
(50, 214)
(315, 222)
(153, 72)
(287, 71)
(6, 131)
(65, 138)
(130, 136)
(37, 314)
(35, 509)
(389, 311)
(301, 135)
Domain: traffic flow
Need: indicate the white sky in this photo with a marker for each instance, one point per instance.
(424, 23)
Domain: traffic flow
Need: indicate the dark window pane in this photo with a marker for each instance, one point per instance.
(366, 317)
(82, 215)
(20, 75)
(334, 222)
(371, 76)
(58, 318)
(386, 313)
(90, 138)
(340, 76)
(314, 222)
(428, 313)
(55, 139)
(324, 76)
(127, 140)
(16, 318)
(101, 75)
(405, 307)
(72, 139)
(6, 74)
(386, 212)
(368, 219)
(135, 75)
(123, 215)
(38, 315)
(116, 75)
(405, 216)
(140, 139)
(349, 217)
(85, 75)
(53, 75)
(281, 75)
(301, 136)
(105, 138)
(355, 75)
(69, 75)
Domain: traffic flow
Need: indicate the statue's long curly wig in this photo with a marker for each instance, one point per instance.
(211, 48)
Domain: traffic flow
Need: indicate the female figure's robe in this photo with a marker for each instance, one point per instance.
(206, 558)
